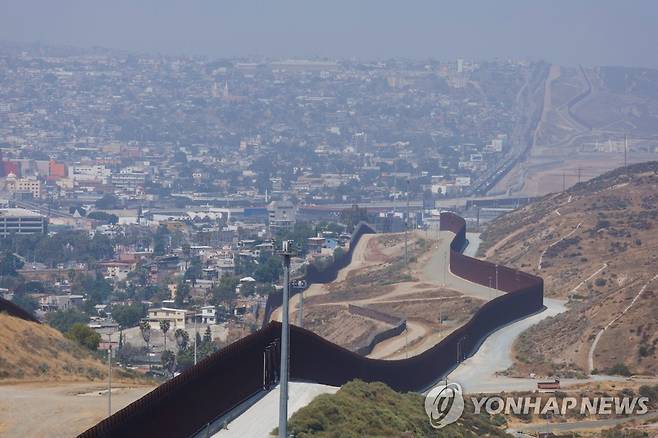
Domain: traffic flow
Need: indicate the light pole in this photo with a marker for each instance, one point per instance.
(286, 252)
(301, 308)
(496, 276)
(109, 374)
(195, 336)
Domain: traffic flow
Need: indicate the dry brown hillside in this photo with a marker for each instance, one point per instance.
(595, 245)
(30, 351)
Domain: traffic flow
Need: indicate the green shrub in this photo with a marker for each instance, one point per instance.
(84, 336)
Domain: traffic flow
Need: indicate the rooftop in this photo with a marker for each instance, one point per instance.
(18, 212)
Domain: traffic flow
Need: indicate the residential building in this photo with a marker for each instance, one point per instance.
(177, 317)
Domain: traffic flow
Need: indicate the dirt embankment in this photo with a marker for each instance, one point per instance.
(380, 279)
(36, 351)
(50, 386)
(596, 246)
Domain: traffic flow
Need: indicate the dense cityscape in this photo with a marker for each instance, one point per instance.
(157, 210)
(165, 179)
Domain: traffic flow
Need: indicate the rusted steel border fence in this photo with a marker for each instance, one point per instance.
(185, 404)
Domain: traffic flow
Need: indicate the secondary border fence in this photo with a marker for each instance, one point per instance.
(190, 402)
(12, 309)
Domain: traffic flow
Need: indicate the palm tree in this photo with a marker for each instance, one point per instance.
(182, 338)
(145, 328)
(164, 326)
(168, 360)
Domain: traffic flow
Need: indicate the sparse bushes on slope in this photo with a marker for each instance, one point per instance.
(375, 410)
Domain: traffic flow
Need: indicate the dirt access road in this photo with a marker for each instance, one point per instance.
(360, 260)
(64, 409)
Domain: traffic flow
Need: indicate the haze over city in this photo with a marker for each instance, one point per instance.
(588, 32)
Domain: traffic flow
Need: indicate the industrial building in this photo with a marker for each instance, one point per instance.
(21, 221)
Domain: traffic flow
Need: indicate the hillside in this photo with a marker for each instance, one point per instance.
(595, 245)
(30, 351)
(374, 410)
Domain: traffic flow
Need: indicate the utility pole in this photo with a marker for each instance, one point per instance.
(301, 309)
(579, 169)
(406, 231)
(109, 374)
(196, 333)
(286, 252)
(564, 181)
(625, 150)
(496, 276)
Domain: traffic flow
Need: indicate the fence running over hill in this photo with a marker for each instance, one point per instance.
(399, 325)
(314, 275)
(186, 404)
(13, 310)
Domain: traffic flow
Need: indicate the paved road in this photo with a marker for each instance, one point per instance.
(474, 242)
(478, 373)
(263, 416)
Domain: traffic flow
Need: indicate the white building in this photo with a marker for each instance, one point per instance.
(208, 315)
(95, 173)
(281, 215)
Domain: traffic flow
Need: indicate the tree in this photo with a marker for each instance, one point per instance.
(128, 353)
(108, 201)
(25, 302)
(9, 263)
(194, 271)
(145, 328)
(224, 292)
(182, 338)
(247, 289)
(164, 327)
(160, 241)
(269, 271)
(168, 360)
(103, 217)
(63, 320)
(128, 315)
(207, 335)
(84, 335)
(182, 292)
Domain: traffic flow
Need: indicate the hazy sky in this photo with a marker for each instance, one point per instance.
(592, 32)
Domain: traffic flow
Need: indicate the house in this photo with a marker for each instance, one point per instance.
(50, 303)
(208, 315)
(117, 270)
(177, 317)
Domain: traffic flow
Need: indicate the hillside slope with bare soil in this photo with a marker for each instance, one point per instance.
(597, 245)
(378, 279)
(30, 351)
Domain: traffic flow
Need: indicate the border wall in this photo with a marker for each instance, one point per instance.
(314, 275)
(186, 404)
(18, 312)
